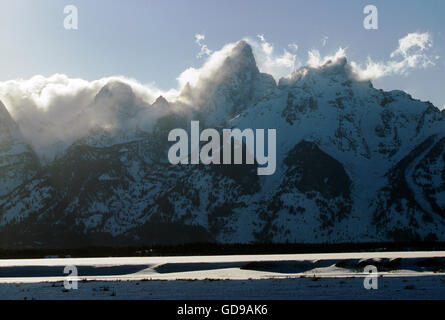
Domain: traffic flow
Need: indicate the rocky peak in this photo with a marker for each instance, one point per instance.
(161, 102)
(118, 96)
(241, 57)
(332, 71)
(232, 87)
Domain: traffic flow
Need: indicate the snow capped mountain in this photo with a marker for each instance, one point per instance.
(354, 164)
(370, 132)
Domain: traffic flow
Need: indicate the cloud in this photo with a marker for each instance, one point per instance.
(189, 76)
(53, 112)
(199, 38)
(411, 54)
(205, 51)
(315, 60)
(420, 40)
(192, 75)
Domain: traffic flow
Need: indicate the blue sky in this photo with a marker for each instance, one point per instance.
(154, 41)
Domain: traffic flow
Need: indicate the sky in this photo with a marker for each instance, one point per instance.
(154, 42)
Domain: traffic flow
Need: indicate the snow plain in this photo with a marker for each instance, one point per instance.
(402, 275)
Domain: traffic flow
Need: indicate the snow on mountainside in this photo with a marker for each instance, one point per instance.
(370, 132)
(354, 164)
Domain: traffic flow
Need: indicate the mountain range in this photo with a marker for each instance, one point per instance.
(354, 164)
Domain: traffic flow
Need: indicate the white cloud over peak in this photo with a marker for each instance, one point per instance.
(214, 61)
(412, 53)
(315, 60)
(268, 61)
(53, 112)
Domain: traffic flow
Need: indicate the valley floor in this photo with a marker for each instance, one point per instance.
(401, 275)
(292, 288)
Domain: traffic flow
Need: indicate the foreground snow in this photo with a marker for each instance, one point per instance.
(401, 275)
(292, 288)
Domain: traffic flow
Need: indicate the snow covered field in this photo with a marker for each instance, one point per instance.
(401, 275)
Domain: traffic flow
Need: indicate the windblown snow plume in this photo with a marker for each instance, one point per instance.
(54, 112)
(213, 62)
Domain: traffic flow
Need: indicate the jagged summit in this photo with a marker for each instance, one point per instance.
(332, 70)
(116, 91)
(242, 53)
(161, 102)
(117, 100)
(241, 60)
(338, 66)
(242, 45)
(229, 86)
